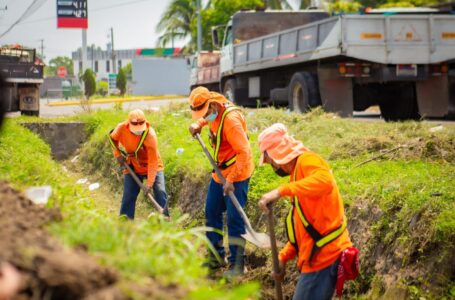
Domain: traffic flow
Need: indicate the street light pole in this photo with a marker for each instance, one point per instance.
(199, 27)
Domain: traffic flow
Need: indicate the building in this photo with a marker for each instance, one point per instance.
(160, 76)
(100, 61)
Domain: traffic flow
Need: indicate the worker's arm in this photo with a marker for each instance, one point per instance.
(202, 122)
(238, 139)
(151, 144)
(287, 253)
(115, 137)
(317, 179)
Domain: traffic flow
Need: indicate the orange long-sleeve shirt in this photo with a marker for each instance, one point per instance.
(322, 205)
(148, 160)
(234, 142)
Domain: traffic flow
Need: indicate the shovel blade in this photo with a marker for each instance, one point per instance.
(260, 240)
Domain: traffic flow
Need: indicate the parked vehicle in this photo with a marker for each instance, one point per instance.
(205, 70)
(403, 61)
(23, 75)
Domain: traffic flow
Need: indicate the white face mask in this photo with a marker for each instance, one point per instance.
(140, 132)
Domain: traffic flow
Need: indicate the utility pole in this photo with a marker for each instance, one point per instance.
(114, 66)
(84, 50)
(199, 27)
(42, 48)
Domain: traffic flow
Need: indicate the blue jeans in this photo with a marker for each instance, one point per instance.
(131, 190)
(215, 205)
(318, 285)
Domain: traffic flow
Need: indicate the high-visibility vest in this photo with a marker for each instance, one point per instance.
(139, 146)
(318, 239)
(230, 161)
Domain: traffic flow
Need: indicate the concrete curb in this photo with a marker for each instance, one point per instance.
(115, 100)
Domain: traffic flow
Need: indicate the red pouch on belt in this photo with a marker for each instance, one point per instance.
(348, 269)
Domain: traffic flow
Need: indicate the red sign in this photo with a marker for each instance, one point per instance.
(61, 72)
(72, 14)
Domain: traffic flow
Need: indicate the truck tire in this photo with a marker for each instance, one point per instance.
(303, 92)
(399, 103)
(229, 90)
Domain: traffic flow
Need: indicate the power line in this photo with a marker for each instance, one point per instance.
(32, 8)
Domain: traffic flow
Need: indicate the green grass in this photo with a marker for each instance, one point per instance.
(413, 182)
(139, 250)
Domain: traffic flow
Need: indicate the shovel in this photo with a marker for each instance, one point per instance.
(276, 265)
(139, 182)
(261, 240)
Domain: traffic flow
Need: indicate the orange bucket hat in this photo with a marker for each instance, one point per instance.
(199, 100)
(280, 146)
(137, 120)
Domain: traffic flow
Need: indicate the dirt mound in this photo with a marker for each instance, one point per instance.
(48, 270)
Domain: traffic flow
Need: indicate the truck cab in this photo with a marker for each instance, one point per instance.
(23, 75)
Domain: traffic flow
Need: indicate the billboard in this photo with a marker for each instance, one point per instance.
(72, 14)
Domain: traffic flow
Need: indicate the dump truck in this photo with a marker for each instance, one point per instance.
(23, 75)
(205, 70)
(401, 60)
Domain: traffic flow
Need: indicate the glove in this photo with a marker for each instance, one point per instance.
(121, 160)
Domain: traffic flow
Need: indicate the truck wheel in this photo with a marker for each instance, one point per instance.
(399, 103)
(229, 90)
(303, 92)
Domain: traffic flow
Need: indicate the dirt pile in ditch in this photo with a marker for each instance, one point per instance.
(48, 270)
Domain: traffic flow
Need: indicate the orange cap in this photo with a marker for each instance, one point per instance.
(136, 120)
(199, 101)
(200, 98)
(280, 146)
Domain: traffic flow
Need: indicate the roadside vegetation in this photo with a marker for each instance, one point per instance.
(396, 180)
(145, 251)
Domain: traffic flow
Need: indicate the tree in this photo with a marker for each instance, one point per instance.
(89, 83)
(57, 62)
(121, 81)
(175, 21)
(277, 4)
(344, 6)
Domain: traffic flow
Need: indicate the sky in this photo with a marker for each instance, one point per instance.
(133, 21)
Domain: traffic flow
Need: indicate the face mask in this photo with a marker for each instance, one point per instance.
(212, 116)
(280, 172)
(140, 132)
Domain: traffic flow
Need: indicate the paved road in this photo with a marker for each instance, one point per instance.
(57, 111)
(47, 111)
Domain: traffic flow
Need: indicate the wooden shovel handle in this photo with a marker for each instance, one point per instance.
(276, 264)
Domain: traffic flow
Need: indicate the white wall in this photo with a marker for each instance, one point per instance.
(160, 76)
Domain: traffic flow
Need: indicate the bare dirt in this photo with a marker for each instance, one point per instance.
(48, 270)
(51, 271)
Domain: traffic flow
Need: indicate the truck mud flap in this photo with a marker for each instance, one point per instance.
(433, 96)
(336, 92)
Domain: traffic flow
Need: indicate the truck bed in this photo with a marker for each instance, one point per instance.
(396, 39)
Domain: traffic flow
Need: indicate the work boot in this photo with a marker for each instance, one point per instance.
(236, 268)
(234, 271)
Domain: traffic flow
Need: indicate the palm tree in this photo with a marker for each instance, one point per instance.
(176, 21)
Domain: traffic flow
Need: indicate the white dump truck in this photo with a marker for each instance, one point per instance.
(403, 61)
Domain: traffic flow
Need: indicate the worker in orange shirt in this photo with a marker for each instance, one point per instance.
(232, 153)
(140, 150)
(316, 224)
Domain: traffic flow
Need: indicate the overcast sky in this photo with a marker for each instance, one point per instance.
(133, 21)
